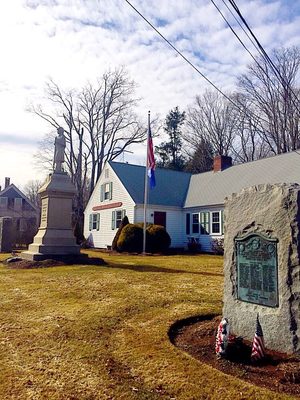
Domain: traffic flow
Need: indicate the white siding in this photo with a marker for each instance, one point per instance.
(174, 221)
(104, 236)
(204, 240)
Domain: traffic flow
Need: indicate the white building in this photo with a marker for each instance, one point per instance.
(190, 206)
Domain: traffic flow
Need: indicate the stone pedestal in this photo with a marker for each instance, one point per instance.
(55, 238)
(261, 264)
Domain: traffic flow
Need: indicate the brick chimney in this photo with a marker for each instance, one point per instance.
(7, 182)
(221, 163)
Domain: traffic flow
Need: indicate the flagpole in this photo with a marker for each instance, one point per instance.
(146, 188)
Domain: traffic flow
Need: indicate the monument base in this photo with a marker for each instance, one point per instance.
(66, 258)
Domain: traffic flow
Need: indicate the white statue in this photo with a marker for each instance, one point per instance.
(59, 152)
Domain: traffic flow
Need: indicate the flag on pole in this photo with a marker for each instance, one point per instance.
(151, 159)
(258, 346)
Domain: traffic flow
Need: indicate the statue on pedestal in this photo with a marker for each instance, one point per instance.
(59, 152)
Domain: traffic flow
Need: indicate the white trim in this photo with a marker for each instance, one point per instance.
(219, 222)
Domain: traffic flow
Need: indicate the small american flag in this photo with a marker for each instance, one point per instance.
(258, 346)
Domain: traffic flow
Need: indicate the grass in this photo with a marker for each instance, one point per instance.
(87, 332)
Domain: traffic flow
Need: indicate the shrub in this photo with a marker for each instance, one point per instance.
(158, 239)
(218, 246)
(193, 245)
(124, 222)
(131, 239)
(88, 242)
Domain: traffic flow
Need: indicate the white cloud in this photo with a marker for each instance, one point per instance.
(73, 42)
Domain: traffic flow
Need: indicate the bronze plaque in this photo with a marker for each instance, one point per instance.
(257, 270)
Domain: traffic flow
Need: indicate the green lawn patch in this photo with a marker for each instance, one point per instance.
(101, 332)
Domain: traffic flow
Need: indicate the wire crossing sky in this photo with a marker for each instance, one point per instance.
(75, 42)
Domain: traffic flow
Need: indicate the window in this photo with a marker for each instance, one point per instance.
(23, 225)
(215, 222)
(188, 224)
(116, 218)
(3, 202)
(94, 222)
(195, 223)
(106, 191)
(18, 203)
(204, 223)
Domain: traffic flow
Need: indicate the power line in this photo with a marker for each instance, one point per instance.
(279, 77)
(235, 34)
(193, 66)
(178, 52)
(241, 26)
(265, 56)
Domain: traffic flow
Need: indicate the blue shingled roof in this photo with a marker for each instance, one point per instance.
(170, 190)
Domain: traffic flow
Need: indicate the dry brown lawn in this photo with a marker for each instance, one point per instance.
(101, 332)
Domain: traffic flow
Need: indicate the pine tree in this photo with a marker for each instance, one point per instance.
(169, 153)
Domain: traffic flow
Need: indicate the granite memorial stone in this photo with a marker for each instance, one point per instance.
(261, 264)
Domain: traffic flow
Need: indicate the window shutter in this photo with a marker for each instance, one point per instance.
(110, 190)
(123, 213)
(205, 222)
(188, 224)
(91, 222)
(98, 222)
(207, 217)
(222, 222)
(101, 192)
(113, 220)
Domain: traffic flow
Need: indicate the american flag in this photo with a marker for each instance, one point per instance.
(151, 159)
(258, 346)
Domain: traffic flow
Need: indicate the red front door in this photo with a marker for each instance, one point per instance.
(160, 218)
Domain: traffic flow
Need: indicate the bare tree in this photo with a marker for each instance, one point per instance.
(248, 143)
(99, 125)
(201, 160)
(275, 101)
(211, 119)
(30, 189)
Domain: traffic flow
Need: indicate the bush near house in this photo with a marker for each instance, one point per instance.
(124, 222)
(131, 238)
(193, 245)
(218, 246)
(158, 239)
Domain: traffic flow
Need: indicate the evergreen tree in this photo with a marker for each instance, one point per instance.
(169, 153)
(202, 160)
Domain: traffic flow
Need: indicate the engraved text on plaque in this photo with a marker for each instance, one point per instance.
(256, 258)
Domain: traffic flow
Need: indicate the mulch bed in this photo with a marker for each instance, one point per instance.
(278, 372)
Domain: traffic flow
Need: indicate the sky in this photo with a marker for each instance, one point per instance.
(76, 41)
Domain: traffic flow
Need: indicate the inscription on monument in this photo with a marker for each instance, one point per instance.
(44, 212)
(257, 271)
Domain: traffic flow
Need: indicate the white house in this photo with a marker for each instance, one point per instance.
(190, 206)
